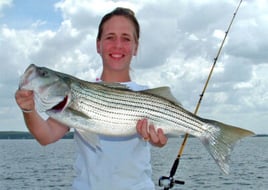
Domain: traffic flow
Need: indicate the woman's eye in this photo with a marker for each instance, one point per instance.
(109, 37)
(126, 39)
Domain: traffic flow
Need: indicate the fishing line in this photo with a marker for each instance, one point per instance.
(169, 182)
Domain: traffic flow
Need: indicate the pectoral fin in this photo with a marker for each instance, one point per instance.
(80, 122)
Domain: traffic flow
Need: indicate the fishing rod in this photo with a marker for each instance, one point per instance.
(169, 182)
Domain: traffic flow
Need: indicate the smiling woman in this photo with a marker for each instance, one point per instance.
(116, 43)
(166, 57)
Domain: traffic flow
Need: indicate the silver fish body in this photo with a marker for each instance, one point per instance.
(113, 110)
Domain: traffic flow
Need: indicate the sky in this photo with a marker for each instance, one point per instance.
(178, 44)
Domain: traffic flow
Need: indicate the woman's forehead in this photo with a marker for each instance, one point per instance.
(118, 24)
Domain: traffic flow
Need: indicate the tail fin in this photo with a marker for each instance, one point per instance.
(220, 139)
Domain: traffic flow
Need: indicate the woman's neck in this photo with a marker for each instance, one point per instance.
(115, 76)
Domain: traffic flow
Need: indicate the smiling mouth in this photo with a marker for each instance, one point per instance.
(117, 56)
(60, 106)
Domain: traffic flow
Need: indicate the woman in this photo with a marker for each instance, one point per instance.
(122, 163)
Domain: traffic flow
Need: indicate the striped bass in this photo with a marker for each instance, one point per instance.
(112, 109)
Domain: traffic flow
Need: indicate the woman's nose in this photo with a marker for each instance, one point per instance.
(118, 43)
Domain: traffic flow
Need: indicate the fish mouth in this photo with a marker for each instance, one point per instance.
(27, 77)
(61, 105)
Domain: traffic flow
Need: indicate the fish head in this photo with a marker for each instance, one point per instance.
(51, 92)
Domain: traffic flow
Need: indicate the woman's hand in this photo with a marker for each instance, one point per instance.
(148, 133)
(25, 100)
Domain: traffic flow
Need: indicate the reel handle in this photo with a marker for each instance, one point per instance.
(168, 182)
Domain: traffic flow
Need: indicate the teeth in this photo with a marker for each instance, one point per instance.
(116, 55)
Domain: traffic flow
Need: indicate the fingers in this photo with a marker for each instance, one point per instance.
(157, 138)
(142, 129)
(153, 134)
(25, 99)
(148, 132)
(162, 137)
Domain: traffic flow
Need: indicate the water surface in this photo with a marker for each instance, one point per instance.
(24, 164)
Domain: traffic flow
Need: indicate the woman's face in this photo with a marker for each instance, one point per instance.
(117, 44)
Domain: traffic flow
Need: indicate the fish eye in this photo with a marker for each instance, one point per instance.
(43, 73)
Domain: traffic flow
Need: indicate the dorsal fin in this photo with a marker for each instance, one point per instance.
(163, 92)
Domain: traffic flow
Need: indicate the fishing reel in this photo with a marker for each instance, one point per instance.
(168, 182)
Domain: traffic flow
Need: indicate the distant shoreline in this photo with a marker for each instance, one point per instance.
(27, 135)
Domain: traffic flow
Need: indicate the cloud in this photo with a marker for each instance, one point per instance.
(87, 14)
(3, 5)
(179, 40)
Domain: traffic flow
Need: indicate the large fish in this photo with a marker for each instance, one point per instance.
(113, 110)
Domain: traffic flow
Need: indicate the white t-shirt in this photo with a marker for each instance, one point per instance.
(123, 163)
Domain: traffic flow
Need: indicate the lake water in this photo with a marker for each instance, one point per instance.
(24, 164)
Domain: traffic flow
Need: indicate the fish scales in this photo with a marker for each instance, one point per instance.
(113, 110)
(127, 107)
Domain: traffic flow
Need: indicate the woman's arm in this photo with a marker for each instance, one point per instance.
(44, 131)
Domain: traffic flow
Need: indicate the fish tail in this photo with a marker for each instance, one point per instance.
(219, 139)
